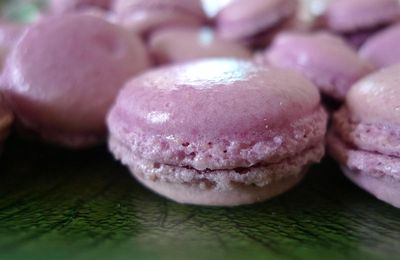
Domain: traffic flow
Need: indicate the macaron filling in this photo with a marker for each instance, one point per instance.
(221, 179)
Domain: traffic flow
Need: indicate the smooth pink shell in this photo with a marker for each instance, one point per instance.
(65, 72)
(144, 16)
(180, 44)
(323, 58)
(256, 98)
(382, 50)
(242, 19)
(352, 15)
(376, 98)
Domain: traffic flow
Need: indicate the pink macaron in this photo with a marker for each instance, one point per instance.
(6, 119)
(365, 138)
(221, 132)
(357, 20)
(382, 50)
(65, 6)
(325, 59)
(145, 16)
(64, 74)
(252, 21)
(181, 44)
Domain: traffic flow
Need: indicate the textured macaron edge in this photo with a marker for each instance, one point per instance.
(374, 137)
(222, 180)
(224, 152)
(370, 163)
(378, 174)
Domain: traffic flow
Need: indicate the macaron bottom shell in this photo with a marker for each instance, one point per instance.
(374, 172)
(385, 190)
(231, 187)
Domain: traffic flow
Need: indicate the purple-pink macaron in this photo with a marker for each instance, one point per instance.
(365, 137)
(325, 59)
(382, 50)
(221, 132)
(252, 21)
(145, 16)
(357, 20)
(64, 74)
(181, 44)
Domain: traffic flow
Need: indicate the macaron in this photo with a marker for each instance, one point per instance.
(64, 74)
(181, 44)
(357, 20)
(66, 6)
(381, 50)
(325, 59)
(145, 16)
(248, 22)
(6, 119)
(219, 132)
(365, 137)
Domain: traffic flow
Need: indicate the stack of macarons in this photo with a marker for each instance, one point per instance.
(212, 106)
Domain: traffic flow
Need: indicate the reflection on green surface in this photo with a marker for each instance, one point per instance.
(56, 203)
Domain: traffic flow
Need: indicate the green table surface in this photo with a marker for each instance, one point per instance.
(62, 204)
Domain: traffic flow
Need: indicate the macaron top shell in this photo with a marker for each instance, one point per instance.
(179, 44)
(143, 16)
(382, 50)
(241, 19)
(257, 98)
(71, 89)
(64, 6)
(351, 15)
(376, 98)
(323, 58)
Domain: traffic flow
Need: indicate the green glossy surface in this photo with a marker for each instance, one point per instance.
(63, 204)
